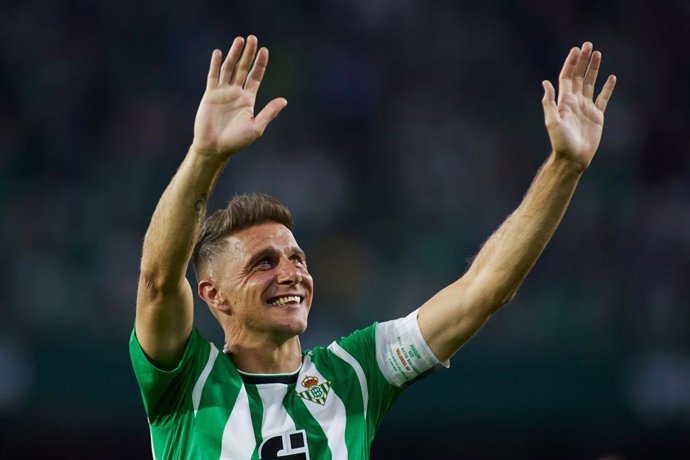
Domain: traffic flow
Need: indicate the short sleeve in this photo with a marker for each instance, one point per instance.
(168, 392)
(392, 355)
(380, 394)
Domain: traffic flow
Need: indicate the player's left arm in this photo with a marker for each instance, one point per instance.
(574, 123)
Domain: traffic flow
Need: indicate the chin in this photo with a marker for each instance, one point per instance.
(298, 328)
(288, 323)
(293, 328)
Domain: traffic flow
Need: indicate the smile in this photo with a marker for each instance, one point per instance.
(285, 300)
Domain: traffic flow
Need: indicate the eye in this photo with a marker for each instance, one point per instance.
(264, 263)
(297, 259)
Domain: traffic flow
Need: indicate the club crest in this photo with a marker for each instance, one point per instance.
(315, 391)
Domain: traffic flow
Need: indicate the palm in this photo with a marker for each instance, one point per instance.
(575, 123)
(225, 121)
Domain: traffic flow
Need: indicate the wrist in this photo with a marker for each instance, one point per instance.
(208, 157)
(566, 164)
(209, 154)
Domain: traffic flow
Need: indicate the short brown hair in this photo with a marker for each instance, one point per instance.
(241, 212)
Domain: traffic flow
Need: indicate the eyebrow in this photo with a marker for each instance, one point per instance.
(271, 251)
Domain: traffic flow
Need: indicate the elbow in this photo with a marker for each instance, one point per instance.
(155, 283)
(506, 299)
(489, 290)
(151, 288)
(502, 295)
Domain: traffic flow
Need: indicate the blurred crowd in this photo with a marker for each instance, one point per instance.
(413, 129)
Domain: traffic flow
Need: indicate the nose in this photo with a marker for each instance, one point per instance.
(288, 273)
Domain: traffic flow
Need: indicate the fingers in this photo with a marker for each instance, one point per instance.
(269, 113)
(606, 91)
(236, 67)
(245, 63)
(548, 103)
(591, 76)
(231, 60)
(579, 74)
(214, 69)
(565, 79)
(257, 72)
(581, 66)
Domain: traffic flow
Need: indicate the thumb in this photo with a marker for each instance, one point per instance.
(548, 103)
(268, 113)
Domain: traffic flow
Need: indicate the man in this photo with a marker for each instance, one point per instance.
(262, 398)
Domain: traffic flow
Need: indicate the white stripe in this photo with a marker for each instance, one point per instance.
(331, 416)
(238, 434)
(341, 353)
(201, 381)
(153, 451)
(275, 420)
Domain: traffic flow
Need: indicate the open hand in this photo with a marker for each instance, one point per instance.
(575, 123)
(225, 121)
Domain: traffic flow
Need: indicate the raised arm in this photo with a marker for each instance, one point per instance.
(574, 125)
(225, 123)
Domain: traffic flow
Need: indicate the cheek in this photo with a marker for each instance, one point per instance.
(254, 286)
(307, 279)
(308, 283)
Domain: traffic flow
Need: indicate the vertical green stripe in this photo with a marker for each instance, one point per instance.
(346, 386)
(256, 409)
(316, 438)
(362, 346)
(382, 395)
(212, 417)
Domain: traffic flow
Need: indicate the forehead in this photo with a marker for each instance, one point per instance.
(253, 239)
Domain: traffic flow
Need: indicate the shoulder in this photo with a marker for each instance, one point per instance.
(165, 391)
(357, 342)
(195, 349)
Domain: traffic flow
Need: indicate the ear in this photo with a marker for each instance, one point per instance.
(208, 291)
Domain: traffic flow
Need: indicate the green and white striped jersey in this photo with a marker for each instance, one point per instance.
(328, 409)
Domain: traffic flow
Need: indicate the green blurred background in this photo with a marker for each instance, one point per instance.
(413, 129)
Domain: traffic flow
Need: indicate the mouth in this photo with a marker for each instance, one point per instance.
(285, 300)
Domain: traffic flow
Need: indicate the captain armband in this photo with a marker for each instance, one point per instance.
(402, 353)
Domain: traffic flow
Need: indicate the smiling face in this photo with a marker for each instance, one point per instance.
(261, 283)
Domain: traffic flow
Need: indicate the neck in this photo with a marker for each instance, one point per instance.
(265, 356)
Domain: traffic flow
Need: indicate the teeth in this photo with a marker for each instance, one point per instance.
(286, 299)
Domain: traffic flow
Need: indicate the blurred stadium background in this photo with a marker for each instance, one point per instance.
(413, 129)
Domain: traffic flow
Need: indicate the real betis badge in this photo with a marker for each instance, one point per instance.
(315, 391)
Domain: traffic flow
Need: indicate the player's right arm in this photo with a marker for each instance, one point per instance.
(225, 123)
